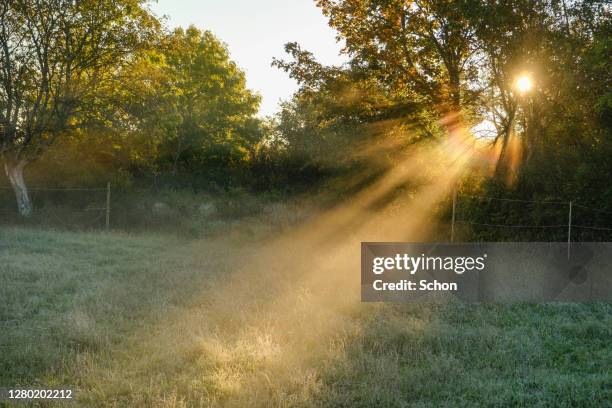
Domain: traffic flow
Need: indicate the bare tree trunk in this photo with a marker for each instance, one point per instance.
(14, 172)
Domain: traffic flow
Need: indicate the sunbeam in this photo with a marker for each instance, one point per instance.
(294, 295)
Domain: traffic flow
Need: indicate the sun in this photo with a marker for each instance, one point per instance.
(524, 84)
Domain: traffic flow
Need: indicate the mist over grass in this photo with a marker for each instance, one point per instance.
(227, 273)
(262, 319)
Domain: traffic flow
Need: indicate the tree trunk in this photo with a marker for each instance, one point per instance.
(14, 172)
(455, 89)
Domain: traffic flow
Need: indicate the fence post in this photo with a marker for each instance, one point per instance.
(108, 196)
(453, 220)
(569, 230)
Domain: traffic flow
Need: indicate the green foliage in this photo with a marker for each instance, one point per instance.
(567, 144)
(410, 62)
(421, 48)
(178, 114)
(107, 94)
(174, 110)
(57, 56)
(211, 112)
(341, 112)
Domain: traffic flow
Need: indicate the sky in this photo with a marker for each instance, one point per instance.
(255, 32)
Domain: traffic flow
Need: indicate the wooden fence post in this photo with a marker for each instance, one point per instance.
(108, 197)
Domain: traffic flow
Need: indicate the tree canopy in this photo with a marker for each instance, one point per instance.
(418, 61)
(106, 88)
(54, 56)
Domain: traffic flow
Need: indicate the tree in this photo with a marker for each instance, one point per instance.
(209, 110)
(542, 39)
(465, 56)
(509, 36)
(422, 47)
(340, 112)
(54, 56)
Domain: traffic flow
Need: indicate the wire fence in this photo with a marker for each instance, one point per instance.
(548, 220)
(491, 218)
(68, 207)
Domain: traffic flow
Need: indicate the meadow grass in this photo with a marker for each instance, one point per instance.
(252, 319)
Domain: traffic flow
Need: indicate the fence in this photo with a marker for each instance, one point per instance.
(131, 209)
(91, 207)
(66, 206)
(569, 226)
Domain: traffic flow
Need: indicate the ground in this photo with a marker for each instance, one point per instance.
(253, 316)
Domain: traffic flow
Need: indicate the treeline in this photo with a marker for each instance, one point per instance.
(92, 91)
(179, 114)
(97, 91)
(415, 66)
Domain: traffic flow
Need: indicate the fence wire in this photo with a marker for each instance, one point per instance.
(580, 221)
(86, 207)
(64, 207)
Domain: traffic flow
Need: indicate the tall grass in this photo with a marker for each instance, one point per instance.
(242, 319)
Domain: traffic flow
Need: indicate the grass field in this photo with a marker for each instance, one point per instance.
(256, 317)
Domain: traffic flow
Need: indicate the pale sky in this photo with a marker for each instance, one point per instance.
(255, 31)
